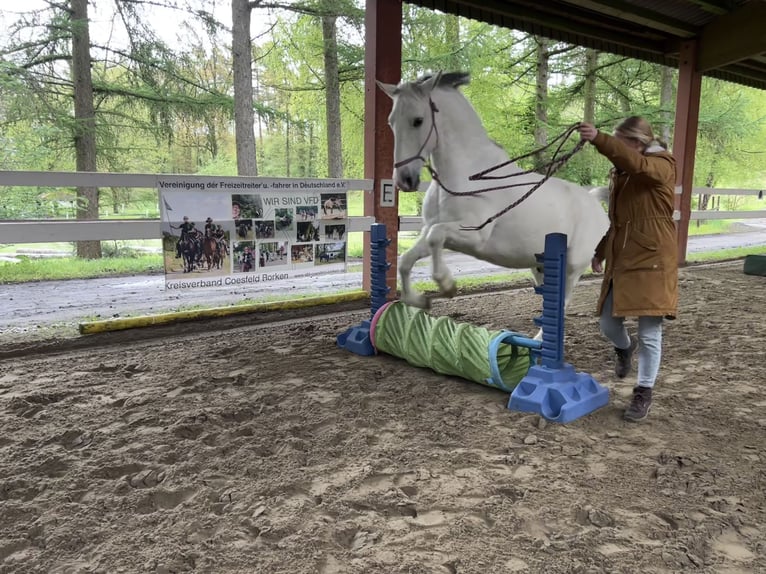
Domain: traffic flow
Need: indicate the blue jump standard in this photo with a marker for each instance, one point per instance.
(357, 339)
(553, 388)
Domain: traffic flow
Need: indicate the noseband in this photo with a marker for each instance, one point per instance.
(433, 130)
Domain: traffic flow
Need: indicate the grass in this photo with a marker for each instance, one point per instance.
(470, 284)
(725, 254)
(713, 227)
(49, 269)
(69, 247)
(355, 244)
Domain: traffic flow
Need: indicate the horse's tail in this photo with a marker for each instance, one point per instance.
(600, 193)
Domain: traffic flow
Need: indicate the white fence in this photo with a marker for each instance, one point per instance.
(411, 223)
(47, 231)
(716, 214)
(53, 230)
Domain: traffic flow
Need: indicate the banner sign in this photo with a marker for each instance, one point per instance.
(234, 231)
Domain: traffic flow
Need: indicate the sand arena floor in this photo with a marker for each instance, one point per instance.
(266, 449)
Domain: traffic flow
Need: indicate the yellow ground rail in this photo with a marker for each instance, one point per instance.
(122, 323)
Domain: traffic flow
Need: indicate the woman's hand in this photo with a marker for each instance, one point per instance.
(597, 265)
(587, 131)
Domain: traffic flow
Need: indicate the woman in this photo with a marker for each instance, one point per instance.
(641, 278)
(247, 260)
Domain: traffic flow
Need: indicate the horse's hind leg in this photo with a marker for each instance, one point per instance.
(571, 279)
(406, 262)
(537, 277)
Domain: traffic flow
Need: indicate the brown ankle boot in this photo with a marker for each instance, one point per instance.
(639, 406)
(622, 366)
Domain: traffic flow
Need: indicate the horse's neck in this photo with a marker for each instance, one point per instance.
(463, 147)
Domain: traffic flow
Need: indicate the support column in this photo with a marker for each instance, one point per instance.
(685, 137)
(383, 61)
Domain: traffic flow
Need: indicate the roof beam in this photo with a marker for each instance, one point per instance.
(731, 46)
(741, 71)
(643, 16)
(517, 14)
(733, 37)
(711, 6)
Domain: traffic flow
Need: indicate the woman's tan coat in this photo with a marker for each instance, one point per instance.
(640, 247)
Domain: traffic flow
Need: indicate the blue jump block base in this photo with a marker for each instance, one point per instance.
(357, 339)
(559, 395)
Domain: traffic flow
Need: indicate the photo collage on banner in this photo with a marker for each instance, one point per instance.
(230, 231)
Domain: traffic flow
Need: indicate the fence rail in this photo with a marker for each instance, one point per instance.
(46, 231)
(55, 230)
(144, 180)
(715, 191)
(710, 214)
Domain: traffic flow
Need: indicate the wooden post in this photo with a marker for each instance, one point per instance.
(685, 137)
(383, 61)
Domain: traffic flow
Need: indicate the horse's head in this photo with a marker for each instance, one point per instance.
(413, 121)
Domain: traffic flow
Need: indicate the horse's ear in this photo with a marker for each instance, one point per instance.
(390, 89)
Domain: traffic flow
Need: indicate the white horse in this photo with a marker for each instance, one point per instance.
(432, 119)
(330, 205)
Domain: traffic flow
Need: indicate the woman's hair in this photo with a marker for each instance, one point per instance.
(637, 128)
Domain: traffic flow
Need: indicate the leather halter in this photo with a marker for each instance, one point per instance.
(433, 130)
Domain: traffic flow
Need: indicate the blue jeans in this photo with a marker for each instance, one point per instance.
(649, 340)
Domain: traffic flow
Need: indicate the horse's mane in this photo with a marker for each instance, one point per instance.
(448, 79)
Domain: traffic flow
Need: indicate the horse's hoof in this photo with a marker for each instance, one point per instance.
(450, 292)
(419, 301)
(427, 302)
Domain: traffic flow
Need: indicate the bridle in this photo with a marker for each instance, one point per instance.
(433, 130)
(551, 167)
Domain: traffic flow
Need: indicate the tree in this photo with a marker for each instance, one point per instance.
(452, 42)
(303, 75)
(666, 103)
(332, 96)
(84, 121)
(541, 97)
(93, 101)
(242, 61)
(589, 91)
(589, 105)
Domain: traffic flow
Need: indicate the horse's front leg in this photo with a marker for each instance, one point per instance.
(466, 241)
(406, 262)
(537, 277)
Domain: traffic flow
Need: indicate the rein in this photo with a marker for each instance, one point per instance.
(551, 167)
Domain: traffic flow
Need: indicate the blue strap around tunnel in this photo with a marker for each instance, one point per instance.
(515, 340)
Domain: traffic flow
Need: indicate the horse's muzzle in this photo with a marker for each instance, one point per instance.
(407, 180)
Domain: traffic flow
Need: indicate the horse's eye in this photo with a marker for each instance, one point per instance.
(417, 122)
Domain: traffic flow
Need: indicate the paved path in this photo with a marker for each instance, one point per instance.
(28, 305)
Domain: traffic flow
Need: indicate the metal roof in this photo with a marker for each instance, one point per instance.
(731, 34)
